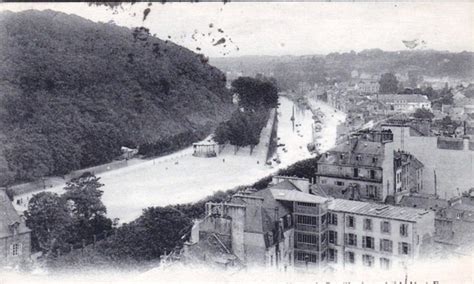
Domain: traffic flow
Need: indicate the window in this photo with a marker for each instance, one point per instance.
(307, 220)
(385, 227)
(332, 219)
(306, 257)
(374, 160)
(359, 158)
(368, 224)
(333, 237)
(404, 248)
(385, 245)
(332, 255)
(350, 222)
(368, 260)
(349, 257)
(368, 242)
(372, 174)
(307, 238)
(356, 172)
(350, 239)
(15, 249)
(404, 230)
(323, 181)
(339, 183)
(384, 263)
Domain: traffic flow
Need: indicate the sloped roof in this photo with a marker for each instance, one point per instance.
(9, 216)
(366, 150)
(377, 210)
(413, 98)
(298, 196)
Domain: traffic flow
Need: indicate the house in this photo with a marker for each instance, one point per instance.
(376, 235)
(15, 237)
(368, 87)
(366, 167)
(401, 103)
(454, 220)
(283, 227)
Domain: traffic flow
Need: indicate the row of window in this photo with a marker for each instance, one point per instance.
(367, 259)
(368, 242)
(385, 226)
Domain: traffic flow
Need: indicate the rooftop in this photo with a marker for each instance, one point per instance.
(413, 98)
(9, 216)
(377, 210)
(293, 195)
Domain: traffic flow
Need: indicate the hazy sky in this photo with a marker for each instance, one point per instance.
(291, 28)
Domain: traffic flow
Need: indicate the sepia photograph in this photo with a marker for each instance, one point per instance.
(286, 142)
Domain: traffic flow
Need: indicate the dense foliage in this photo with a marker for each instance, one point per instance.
(255, 93)
(256, 97)
(388, 84)
(243, 128)
(61, 221)
(73, 92)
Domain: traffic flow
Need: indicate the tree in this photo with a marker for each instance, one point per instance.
(423, 113)
(83, 197)
(388, 84)
(156, 231)
(255, 93)
(49, 219)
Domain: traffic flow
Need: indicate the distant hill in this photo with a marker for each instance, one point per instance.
(72, 92)
(289, 70)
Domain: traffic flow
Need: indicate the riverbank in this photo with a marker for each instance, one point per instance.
(183, 178)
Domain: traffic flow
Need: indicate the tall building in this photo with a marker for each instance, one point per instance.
(286, 227)
(366, 167)
(15, 241)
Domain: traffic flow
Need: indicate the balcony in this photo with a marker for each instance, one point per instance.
(306, 246)
(307, 210)
(311, 228)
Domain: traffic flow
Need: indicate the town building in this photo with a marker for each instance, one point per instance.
(401, 103)
(448, 162)
(285, 227)
(368, 87)
(15, 241)
(454, 220)
(366, 167)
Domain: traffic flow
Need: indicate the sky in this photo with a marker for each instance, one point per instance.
(266, 28)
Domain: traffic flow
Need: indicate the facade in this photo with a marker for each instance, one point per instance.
(368, 87)
(15, 242)
(376, 235)
(285, 227)
(454, 220)
(366, 167)
(397, 103)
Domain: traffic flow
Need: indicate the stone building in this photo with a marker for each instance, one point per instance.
(376, 235)
(286, 227)
(400, 103)
(366, 167)
(14, 235)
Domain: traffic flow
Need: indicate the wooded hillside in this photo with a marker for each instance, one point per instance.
(72, 92)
